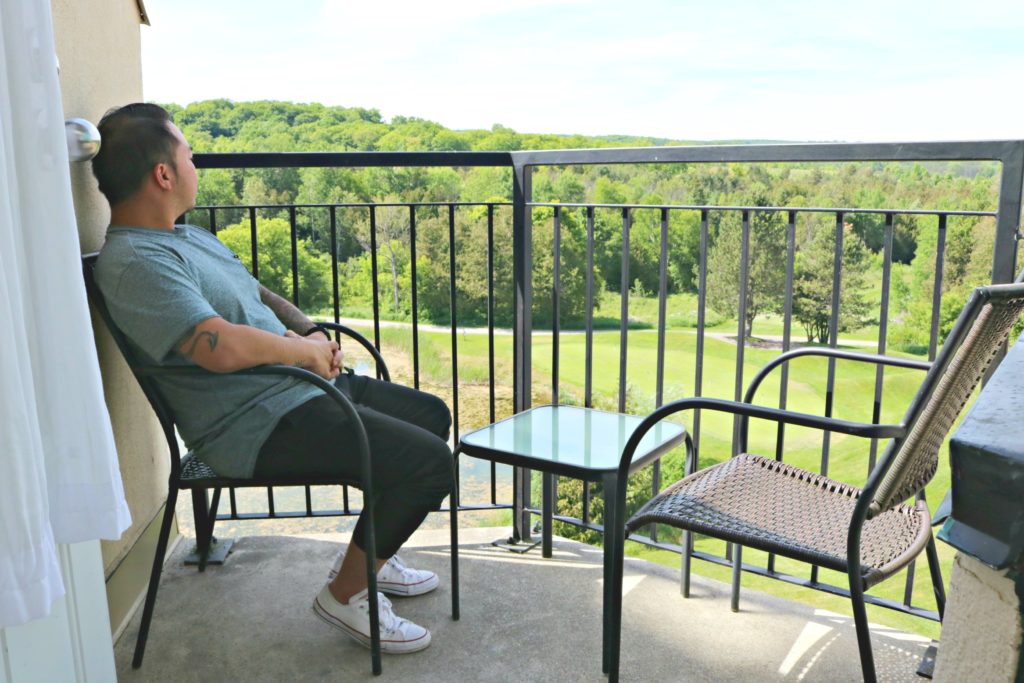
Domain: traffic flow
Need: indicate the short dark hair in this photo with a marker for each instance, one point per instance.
(134, 138)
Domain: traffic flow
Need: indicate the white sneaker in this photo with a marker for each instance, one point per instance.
(397, 635)
(396, 578)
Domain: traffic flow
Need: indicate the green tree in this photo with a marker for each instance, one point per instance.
(473, 266)
(608, 225)
(765, 274)
(393, 248)
(216, 188)
(683, 250)
(500, 139)
(970, 242)
(355, 284)
(273, 241)
(813, 278)
(572, 263)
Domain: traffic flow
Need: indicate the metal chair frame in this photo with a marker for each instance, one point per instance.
(206, 515)
(898, 434)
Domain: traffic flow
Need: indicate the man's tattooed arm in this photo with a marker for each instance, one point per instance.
(292, 318)
(219, 346)
(191, 340)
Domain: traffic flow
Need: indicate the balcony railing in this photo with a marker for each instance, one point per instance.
(524, 218)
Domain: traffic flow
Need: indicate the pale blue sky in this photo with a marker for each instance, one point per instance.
(684, 69)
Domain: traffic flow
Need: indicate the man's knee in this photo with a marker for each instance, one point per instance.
(442, 416)
(436, 467)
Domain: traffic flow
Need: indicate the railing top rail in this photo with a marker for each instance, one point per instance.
(349, 159)
(984, 150)
(348, 205)
(801, 209)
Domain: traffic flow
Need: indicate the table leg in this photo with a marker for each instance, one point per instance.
(615, 540)
(548, 513)
(520, 502)
(609, 485)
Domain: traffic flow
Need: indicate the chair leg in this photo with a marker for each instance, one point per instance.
(154, 577)
(936, 572)
(737, 569)
(214, 504)
(686, 545)
(453, 505)
(201, 517)
(860, 619)
(686, 542)
(211, 516)
(371, 580)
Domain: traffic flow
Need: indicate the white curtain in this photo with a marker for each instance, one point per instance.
(59, 478)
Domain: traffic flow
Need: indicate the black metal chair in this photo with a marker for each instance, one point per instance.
(870, 533)
(189, 473)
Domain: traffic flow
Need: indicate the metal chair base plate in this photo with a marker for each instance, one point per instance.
(513, 546)
(219, 550)
(927, 666)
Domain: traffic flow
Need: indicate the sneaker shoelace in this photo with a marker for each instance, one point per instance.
(389, 621)
(397, 564)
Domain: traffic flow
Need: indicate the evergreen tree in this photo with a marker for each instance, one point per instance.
(813, 279)
(766, 273)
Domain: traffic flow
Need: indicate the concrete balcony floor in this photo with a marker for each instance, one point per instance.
(524, 618)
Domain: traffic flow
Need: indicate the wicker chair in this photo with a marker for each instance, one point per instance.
(870, 533)
(189, 473)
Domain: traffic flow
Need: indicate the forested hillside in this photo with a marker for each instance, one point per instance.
(223, 126)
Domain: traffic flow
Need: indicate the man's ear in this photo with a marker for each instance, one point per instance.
(163, 175)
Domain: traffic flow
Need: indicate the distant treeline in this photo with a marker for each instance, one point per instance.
(269, 126)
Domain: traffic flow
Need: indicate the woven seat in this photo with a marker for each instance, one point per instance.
(764, 504)
(194, 470)
(868, 534)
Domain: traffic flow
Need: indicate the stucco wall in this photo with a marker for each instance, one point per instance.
(981, 630)
(98, 45)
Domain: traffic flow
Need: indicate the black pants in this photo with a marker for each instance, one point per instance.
(407, 431)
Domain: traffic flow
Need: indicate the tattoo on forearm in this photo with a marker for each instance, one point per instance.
(292, 318)
(207, 336)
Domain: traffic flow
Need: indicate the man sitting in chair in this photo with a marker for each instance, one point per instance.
(182, 298)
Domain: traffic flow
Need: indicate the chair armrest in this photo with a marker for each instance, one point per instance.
(382, 367)
(747, 410)
(829, 352)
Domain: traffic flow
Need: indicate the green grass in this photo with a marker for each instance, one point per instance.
(680, 311)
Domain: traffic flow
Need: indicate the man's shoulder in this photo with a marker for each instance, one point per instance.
(135, 251)
(126, 241)
(121, 251)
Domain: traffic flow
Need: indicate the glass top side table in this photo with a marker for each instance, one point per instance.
(577, 442)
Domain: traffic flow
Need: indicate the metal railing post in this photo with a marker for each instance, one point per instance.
(1008, 214)
(1004, 259)
(522, 282)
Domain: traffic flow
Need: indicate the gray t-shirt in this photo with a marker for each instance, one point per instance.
(158, 285)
